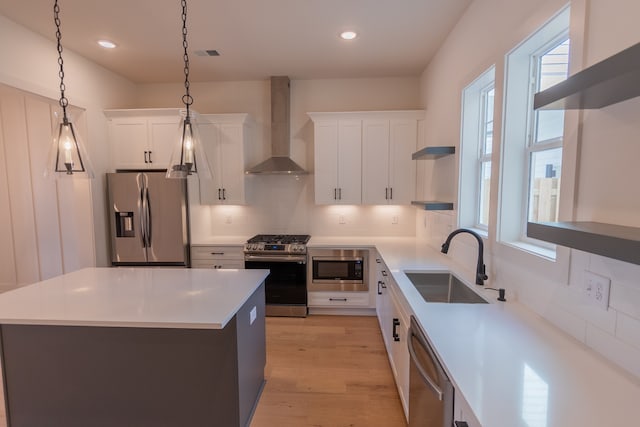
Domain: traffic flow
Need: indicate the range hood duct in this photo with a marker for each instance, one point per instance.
(279, 163)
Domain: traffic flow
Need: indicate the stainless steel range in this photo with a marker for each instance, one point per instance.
(286, 257)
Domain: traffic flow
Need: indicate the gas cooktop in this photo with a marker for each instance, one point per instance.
(275, 244)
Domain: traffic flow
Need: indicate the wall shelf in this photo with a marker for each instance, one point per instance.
(433, 205)
(613, 80)
(432, 153)
(611, 241)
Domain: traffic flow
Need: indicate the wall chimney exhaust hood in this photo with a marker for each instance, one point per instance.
(279, 163)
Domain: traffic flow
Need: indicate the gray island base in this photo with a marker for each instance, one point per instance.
(68, 376)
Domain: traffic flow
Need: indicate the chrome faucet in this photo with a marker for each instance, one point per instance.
(481, 275)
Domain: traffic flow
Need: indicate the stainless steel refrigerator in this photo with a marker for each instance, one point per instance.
(149, 219)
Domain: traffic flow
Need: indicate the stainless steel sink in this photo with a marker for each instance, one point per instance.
(443, 287)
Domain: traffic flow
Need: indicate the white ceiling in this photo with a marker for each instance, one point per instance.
(256, 38)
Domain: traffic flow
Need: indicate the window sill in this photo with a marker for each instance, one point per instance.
(529, 248)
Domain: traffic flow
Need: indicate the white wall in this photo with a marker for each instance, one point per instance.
(606, 177)
(284, 204)
(30, 64)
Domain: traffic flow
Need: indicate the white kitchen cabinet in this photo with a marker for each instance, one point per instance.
(393, 316)
(338, 299)
(337, 150)
(224, 138)
(217, 256)
(462, 412)
(388, 173)
(142, 138)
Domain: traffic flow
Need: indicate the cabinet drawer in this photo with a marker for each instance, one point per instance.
(338, 299)
(217, 252)
(221, 264)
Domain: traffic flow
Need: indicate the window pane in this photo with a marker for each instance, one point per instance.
(485, 194)
(544, 185)
(488, 121)
(553, 68)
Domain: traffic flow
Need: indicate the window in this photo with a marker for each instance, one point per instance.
(476, 147)
(531, 161)
(545, 144)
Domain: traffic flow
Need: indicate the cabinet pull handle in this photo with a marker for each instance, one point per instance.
(145, 157)
(150, 161)
(337, 299)
(224, 194)
(396, 323)
(386, 194)
(340, 193)
(461, 424)
(384, 285)
(378, 260)
(335, 194)
(379, 289)
(217, 253)
(391, 193)
(384, 273)
(219, 194)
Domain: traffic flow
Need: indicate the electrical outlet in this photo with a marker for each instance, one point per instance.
(227, 219)
(596, 289)
(341, 219)
(394, 219)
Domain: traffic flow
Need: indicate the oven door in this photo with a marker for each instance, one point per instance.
(286, 285)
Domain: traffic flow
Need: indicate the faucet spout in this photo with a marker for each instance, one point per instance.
(481, 275)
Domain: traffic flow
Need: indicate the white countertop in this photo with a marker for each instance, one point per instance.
(514, 368)
(219, 240)
(133, 297)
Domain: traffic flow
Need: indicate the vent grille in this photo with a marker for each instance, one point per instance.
(209, 52)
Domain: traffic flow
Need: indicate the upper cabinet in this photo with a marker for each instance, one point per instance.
(224, 139)
(141, 139)
(388, 174)
(365, 157)
(613, 80)
(337, 151)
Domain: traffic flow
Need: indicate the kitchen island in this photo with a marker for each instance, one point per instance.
(134, 346)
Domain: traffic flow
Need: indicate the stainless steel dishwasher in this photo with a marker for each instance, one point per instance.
(430, 391)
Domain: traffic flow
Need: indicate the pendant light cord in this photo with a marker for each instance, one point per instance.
(64, 102)
(187, 99)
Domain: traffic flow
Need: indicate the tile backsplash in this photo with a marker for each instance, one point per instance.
(614, 333)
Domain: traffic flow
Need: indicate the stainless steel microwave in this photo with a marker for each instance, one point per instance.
(338, 270)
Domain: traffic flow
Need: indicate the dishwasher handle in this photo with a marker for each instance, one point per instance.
(414, 357)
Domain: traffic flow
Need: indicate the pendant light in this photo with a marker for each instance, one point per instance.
(187, 157)
(67, 157)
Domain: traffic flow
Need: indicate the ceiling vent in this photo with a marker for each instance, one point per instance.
(210, 52)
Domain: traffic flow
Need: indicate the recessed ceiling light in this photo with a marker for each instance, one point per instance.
(107, 44)
(348, 35)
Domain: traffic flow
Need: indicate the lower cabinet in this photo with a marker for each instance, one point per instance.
(462, 414)
(393, 316)
(216, 256)
(338, 299)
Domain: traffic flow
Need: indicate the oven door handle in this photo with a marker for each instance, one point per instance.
(300, 259)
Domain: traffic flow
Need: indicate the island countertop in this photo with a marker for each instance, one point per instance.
(133, 297)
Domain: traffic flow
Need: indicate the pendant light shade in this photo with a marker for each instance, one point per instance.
(187, 157)
(67, 157)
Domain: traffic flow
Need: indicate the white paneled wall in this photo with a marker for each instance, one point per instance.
(46, 226)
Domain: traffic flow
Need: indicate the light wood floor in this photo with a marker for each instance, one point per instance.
(323, 371)
(327, 371)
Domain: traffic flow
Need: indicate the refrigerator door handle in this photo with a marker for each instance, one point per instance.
(148, 215)
(143, 225)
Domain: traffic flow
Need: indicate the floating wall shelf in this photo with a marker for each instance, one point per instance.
(433, 153)
(612, 241)
(613, 80)
(433, 205)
